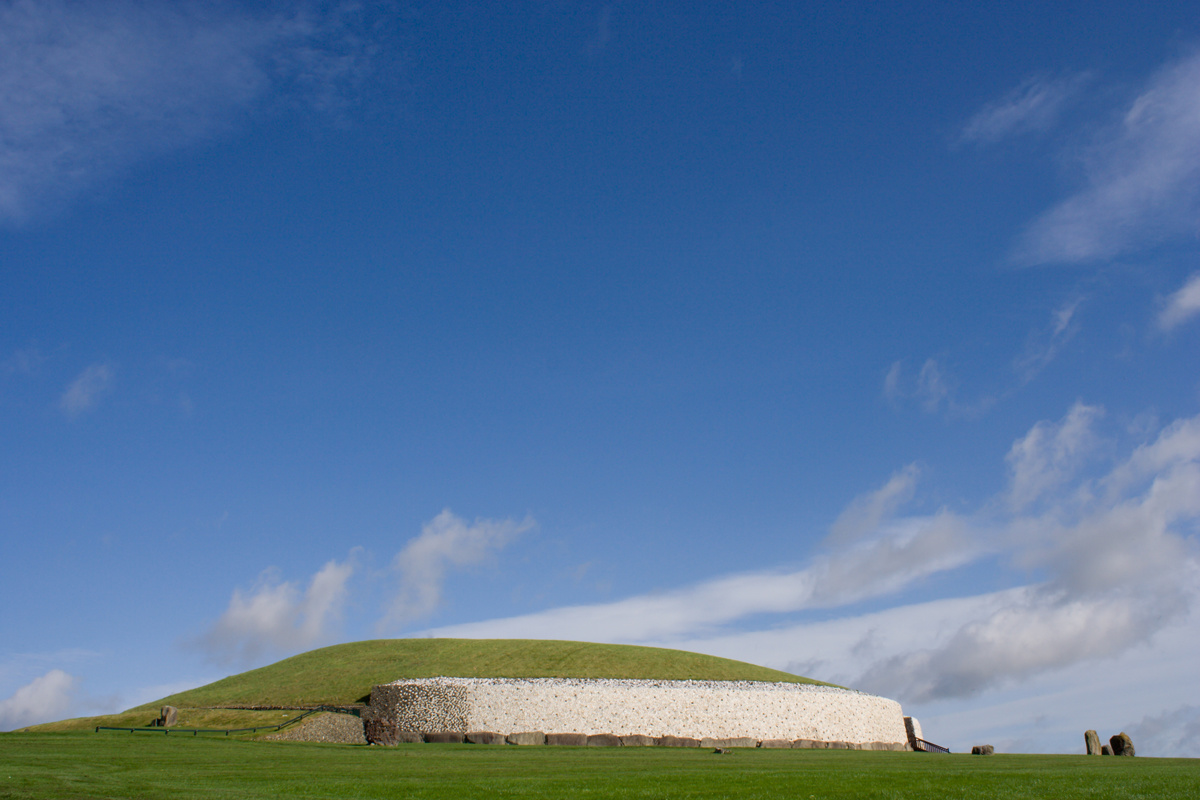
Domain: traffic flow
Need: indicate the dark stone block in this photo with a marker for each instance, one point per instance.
(443, 737)
(603, 740)
(567, 739)
(378, 731)
(1122, 745)
(637, 740)
(676, 741)
(526, 737)
(982, 750)
(484, 737)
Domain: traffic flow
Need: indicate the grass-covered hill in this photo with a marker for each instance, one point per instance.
(344, 674)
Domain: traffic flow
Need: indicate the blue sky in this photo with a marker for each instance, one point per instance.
(855, 341)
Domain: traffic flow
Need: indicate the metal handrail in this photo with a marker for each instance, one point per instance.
(195, 731)
(930, 747)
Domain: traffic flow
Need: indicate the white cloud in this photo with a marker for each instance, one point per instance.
(892, 557)
(1049, 454)
(1143, 178)
(276, 616)
(1172, 734)
(445, 541)
(1182, 305)
(867, 511)
(89, 88)
(930, 387)
(1112, 553)
(1032, 106)
(41, 700)
(1044, 346)
(87, 389)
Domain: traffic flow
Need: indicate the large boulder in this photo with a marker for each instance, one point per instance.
(1091, 740)
(380, 731)
(1122, 745)
(168, 716)
(982, 750)
(1106, 749)
(444, 737)
(776, 744)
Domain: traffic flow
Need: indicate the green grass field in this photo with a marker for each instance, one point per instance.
(115, 765)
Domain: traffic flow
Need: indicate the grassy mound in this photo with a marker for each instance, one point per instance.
(344, 674)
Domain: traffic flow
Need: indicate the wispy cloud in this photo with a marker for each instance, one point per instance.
(1044, 345)
(43, 699)
(277, 617)
(1142, 179)
(1182, 305)
(1049, 455)
(864, 515)
(89, 88)
(1110, 553)
(86, 390)
(873, 556)
(1033, 106)
(930, 388)
(446, 541)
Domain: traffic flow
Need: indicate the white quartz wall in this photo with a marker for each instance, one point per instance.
(696, 709)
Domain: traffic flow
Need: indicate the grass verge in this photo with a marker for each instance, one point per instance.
(142, 766)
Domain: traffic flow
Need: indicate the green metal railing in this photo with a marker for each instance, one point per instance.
(227, 731)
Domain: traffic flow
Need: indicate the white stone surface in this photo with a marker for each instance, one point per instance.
(697, 709)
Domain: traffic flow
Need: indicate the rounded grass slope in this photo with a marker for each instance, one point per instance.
(344, 674)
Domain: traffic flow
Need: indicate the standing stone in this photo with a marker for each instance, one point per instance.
(1092, 742)
(1105, 750)
(168, 716)
(982, 750)
(1122, 745)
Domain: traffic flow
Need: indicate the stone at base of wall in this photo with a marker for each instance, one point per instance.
(603, 740)
(776, 744)
(727, 743)
(637, 740)
(526, 737)
(567, 739)
(676, 741)
(444, 737)
(485, 737)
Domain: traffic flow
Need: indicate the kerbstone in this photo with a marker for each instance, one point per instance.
(527, 738)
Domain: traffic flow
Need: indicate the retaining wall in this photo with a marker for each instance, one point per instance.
(691, 709)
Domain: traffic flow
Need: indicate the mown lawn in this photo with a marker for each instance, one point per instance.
(77, 765)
